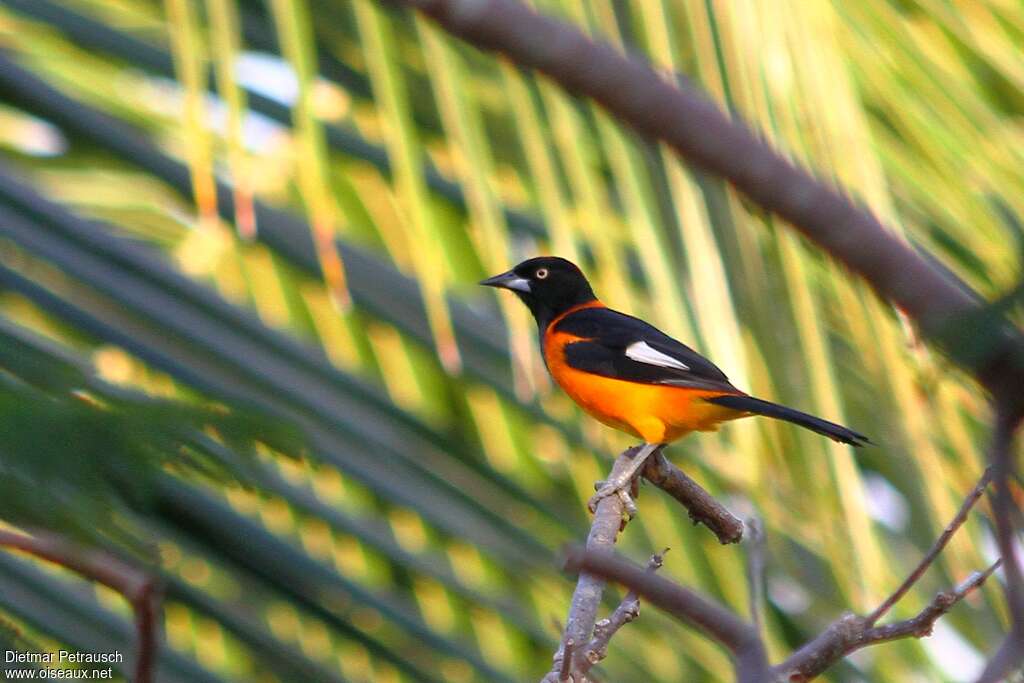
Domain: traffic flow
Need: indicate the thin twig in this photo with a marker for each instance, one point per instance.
(850, 633)
(1011, 653)
(845, 635)
(714, 620)
(937, 547)
(137, 587)
(755, 571)
(147, 617)
(701, 505)
(1002, 459)
(567, 653)
(1006, 658)
(608, 521)
(605, 629)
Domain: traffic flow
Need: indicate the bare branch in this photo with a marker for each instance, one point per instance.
(147, 619)
(922, 624)
(850, 633)
(1011, 653)
(755, 571)
(937, 547)
(1005, 660)
(845, 635)
(701, 505)
(711, 618)
(137, 587)
(1002, 459)
(627, 611)
(608, 520)
(565, 669)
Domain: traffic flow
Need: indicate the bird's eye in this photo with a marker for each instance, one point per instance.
(541, 273)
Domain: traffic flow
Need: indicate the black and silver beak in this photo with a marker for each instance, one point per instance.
(508, 280)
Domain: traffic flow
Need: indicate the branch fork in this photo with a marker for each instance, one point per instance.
(585, 640)
(742, 638)
(627, 611)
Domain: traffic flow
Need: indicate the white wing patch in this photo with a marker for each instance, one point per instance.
(642, 352)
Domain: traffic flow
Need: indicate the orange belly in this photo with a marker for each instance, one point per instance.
(656, 413)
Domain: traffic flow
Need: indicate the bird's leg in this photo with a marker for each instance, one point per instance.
(620, 484)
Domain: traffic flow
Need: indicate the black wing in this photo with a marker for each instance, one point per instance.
(623, 347)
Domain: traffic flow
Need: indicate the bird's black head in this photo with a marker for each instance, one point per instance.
(548, 285)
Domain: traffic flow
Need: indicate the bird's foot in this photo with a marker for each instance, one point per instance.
(625, 490)
(625, 482)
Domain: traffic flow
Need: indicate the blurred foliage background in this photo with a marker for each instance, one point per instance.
(243, 345)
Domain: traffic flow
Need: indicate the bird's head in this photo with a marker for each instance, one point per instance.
(548, 285)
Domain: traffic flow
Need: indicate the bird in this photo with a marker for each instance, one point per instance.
(630, 375)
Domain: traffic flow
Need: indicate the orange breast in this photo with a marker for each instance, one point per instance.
(655, 413)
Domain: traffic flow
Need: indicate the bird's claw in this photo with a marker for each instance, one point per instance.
(627, 503)
(605, 489)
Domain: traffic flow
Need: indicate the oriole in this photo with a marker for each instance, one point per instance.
(630, 375)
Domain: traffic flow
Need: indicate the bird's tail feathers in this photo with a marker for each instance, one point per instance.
(768, 409)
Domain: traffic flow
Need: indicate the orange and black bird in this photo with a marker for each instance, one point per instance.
(630, 375)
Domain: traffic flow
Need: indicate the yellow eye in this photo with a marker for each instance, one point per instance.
(541, 273)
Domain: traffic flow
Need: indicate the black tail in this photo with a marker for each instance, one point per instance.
(769, 409)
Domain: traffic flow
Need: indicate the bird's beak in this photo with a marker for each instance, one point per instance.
(508, 280)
